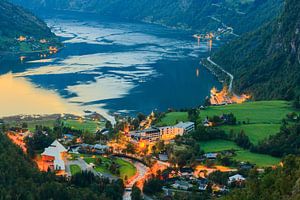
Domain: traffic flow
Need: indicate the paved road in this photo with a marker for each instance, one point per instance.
(141, 171)
(223, 70)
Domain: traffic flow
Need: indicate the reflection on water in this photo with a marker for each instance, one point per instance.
(107, 67)
(18, 96)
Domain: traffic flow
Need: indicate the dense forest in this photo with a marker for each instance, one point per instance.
(280, 183)
(20, 179)
(200, 15)
(286, 142)
(15, 21)
(266, 63)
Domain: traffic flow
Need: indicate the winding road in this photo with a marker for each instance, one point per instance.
(223, 70)
(141, 173)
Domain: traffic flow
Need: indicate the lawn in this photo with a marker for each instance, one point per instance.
(172, 117)
(262, 112)
(218, 145)
(47, 123)
(255, 132)
(75, 169)
(260, 160)
(262, 118)
(126, 168)
(90, 126)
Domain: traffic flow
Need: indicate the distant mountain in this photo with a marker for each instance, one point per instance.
(200, 15)
(16, 22)
(266, 62)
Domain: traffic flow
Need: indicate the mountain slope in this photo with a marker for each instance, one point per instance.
(16, 22)
(200, 15)
(266, 62)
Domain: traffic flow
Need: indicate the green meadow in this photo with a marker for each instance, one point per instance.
(86, 125)
(258, 119)
(242, 155)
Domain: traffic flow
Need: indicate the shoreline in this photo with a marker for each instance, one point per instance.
(221, 72)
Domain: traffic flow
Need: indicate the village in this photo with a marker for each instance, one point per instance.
(27, 46)
(136, 155)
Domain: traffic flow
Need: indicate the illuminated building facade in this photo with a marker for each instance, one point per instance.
(53, 158)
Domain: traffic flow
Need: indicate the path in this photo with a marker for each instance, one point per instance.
(86, 167)
(141, 173)
(223, 70)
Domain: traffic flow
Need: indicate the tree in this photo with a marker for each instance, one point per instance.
(136, 193)
(108, 125)
(152, 186)
(243, 140)
(89, 137)
(141, 117)
(193, 115)
(27, 182)
(24, 125)
(279, 183)
(130, 148)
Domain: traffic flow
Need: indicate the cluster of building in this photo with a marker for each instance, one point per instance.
(185, 179)
(89, 148)
(224, 97)
(166, 133)
(18, 136)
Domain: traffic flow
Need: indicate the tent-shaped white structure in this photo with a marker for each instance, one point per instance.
(55, 150)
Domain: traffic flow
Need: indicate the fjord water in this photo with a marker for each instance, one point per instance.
(113, 66)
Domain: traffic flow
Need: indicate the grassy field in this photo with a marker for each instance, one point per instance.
(171, 118)
(75, 169)
(218, 145)
(126, 168)
(89, 125)
(256, 132)
(260, 160)
(262, 112)
(262, 118)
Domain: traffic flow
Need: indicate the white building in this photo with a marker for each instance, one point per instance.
(186, 126)
(55, 153)
(170, 132)
(150, 135)
(182, 185)
(163, 133)
(236, 178)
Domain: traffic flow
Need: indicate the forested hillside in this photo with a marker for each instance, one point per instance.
(281, 183)
(20, 179)
(200, 15)
(16, 22)
(266, 63)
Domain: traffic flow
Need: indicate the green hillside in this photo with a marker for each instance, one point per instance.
(201, 15)
(267, 61)
(258, 119)
(242, 155)
(16, 22)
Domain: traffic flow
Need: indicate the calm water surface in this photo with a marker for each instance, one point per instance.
(113, 66)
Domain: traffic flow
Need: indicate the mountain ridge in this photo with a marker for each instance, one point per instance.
(17, 22)
(196, 15)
